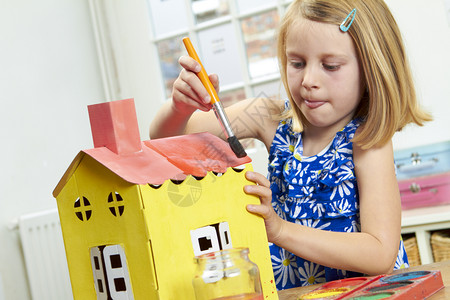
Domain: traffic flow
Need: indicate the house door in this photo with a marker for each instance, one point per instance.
(109, 267)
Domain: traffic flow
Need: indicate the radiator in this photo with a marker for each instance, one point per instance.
(2, 295)
(45, 258)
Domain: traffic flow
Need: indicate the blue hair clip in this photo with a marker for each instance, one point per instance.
(345, 28)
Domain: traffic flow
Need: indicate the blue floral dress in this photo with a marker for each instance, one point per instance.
(318, 191)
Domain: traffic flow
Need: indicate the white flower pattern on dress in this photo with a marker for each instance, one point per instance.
(284, 268)
(343, 189)
(310, 274)
(312, 223)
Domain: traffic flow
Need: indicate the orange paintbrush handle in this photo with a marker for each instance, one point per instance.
(216, 104)
(202, 74)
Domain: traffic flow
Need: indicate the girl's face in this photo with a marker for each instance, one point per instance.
(323, 74)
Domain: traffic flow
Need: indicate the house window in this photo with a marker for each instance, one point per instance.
(82, 208)
(234, 38)
(211, 238)
(115, 204)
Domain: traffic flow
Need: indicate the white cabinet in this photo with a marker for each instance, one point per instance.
(421, 222)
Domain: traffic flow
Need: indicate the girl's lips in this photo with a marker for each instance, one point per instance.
(314, 103)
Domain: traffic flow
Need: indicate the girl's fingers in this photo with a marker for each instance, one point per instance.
(262, 210)
(194, 86)
(188, 91)
(261, 189)
(182, 86)
(183, 101)
(189, 64)
(264, 193)
(189, 74)
(214, 78)
(257, 178)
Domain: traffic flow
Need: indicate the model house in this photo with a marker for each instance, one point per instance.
(134, 213)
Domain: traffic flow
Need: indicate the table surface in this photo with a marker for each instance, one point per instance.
(444, 267)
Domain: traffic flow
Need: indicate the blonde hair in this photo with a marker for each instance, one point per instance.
(389, 102)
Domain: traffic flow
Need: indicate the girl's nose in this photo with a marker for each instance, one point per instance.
(310, 78)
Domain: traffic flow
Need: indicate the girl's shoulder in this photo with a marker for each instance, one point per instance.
(254, 118)
(266, 114)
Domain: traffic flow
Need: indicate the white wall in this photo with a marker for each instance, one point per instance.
(48, 75)
(425, 26)
(132, 59)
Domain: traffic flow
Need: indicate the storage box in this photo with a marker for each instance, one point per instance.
(440, 245)
(423, 160)
(412, 250)
(425, 191)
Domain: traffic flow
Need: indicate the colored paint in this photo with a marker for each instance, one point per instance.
(373, 296)
(405, 276)
(390, 286)
(345, 282)
(324, 293)
(380, 287)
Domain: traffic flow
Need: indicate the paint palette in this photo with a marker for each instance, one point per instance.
(403, 286)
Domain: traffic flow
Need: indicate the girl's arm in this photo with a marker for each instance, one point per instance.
(371, 251)
(189, 111)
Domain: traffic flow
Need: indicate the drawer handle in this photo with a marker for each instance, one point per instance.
(414, 187)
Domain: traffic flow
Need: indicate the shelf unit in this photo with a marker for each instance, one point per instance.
(423, 221)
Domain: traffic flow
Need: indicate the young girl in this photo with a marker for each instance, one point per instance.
(331, 202)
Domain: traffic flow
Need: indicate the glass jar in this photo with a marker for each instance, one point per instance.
(227, 275)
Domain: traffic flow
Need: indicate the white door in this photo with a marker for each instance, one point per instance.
(110, 271)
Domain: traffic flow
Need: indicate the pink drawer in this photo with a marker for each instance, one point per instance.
(425, 191)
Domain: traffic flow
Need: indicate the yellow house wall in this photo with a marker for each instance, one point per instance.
(212, 200)
(95, 182)
(155, 228)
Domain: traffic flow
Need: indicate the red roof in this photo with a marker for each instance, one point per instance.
(171, 158)
(118, 147)
(163, 159)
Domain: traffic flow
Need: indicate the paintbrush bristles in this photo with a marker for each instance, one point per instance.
(236, 146)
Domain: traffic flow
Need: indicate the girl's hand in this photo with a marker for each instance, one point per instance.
(188, 92)
(274, 224)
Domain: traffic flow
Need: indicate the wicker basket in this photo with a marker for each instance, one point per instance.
(412, 250)
(440, 244)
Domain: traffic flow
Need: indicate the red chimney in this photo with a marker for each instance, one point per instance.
(114, 126)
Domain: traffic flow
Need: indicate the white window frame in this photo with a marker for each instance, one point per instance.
(235, 19)
(112, 28)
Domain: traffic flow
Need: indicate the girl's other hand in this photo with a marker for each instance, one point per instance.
(188, 92)
(274, 224)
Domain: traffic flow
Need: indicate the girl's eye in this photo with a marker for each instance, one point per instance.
(331, 67)
(297, 64)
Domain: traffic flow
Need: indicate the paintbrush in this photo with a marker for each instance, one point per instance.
(217, 105)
